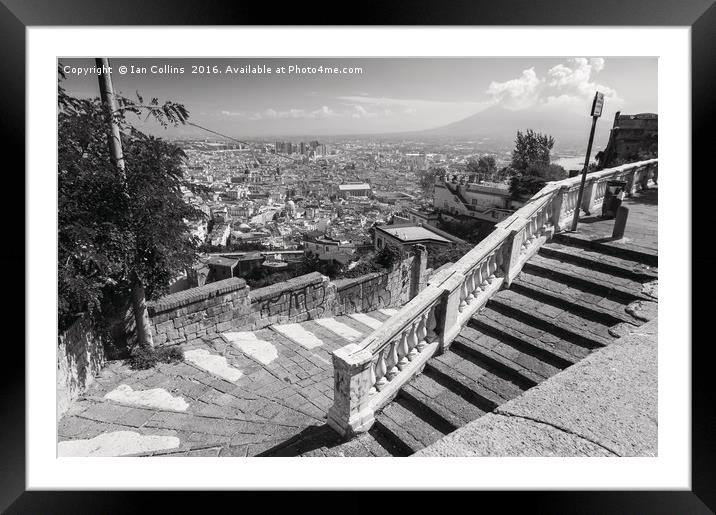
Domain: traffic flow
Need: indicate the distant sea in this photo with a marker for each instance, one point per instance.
(570, 163)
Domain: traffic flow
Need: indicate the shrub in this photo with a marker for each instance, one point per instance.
(143, 358)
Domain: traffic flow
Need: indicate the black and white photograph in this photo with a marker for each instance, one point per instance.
(357, 256)
(414, 249)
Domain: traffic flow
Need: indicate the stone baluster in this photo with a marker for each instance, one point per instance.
(392, 363)
(380, 370)
(491, 266)
(373, 378)
(412, 341)
(421, 332)
(403, 351)
(471, 286)
(463, 295)
(484, 274)
(431, 325)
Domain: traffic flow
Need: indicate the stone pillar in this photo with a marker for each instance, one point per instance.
(512, 255)
(351, 412)
(450, 303)
(557, 204)
(590, 189)
(418, 278)
(631, 178)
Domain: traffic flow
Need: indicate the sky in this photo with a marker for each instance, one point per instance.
(389, 95)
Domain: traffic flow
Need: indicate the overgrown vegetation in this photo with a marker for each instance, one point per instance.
(470, 230)
(438, 258)
(121, 233)
(142, 358)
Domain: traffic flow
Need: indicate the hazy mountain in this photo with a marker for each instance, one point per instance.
(500, 124)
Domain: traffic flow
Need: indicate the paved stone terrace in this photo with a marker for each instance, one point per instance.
(641, 232)
(236, 394)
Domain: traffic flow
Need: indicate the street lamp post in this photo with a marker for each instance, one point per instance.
(597, 105)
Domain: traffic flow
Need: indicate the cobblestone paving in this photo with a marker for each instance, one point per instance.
(240, 394)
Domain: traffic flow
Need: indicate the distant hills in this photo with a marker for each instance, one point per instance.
(500, 125)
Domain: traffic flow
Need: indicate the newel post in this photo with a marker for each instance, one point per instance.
(559, 203)
(631, 179)
(512, 255)
(418, 277)
(450, 302)
(351, 412)
(590, 190)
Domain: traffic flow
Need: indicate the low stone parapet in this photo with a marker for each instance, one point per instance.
(197, 312)
(302, 298)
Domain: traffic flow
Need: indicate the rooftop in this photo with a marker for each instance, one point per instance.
(348, 187)
(412, 233)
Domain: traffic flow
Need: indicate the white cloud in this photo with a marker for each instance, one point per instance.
(597, 63)
(567, 85)
(517, 93)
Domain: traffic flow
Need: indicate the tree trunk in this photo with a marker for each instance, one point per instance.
(141, 316)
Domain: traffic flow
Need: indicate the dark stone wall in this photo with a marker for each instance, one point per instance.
(80, 356)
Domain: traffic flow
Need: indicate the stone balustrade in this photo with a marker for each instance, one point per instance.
(367, 375)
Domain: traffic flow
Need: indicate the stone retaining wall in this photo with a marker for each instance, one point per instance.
(189, 314)
(229, 305)
(383, 289)
(296, 300)
(80, 356)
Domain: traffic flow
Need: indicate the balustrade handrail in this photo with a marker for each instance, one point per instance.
(572, 181)
(393, 327)
(380, 337)
(463, 287)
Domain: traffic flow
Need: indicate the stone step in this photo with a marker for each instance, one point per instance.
(488, 376)
(454, 408)
(367, 320)
(531, 345)
(378, 446)
(400, 423)
(594, 282)
(555, 297)
(552, 341)
(467, 387)
(518, 356)
(646, 256)
(437, 411)
(563, 330)
(595, 260)
(524, 378)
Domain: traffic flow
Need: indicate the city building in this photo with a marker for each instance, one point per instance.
(403, 236)
(459, 195)
(353, 190)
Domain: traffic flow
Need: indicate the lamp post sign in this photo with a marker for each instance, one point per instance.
(596, 112)
(597, 104)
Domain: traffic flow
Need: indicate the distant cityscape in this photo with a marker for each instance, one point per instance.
(269, 203)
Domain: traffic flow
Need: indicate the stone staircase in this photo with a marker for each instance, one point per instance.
(572, 298)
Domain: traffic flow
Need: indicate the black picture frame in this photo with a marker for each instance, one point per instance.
(700, 15)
